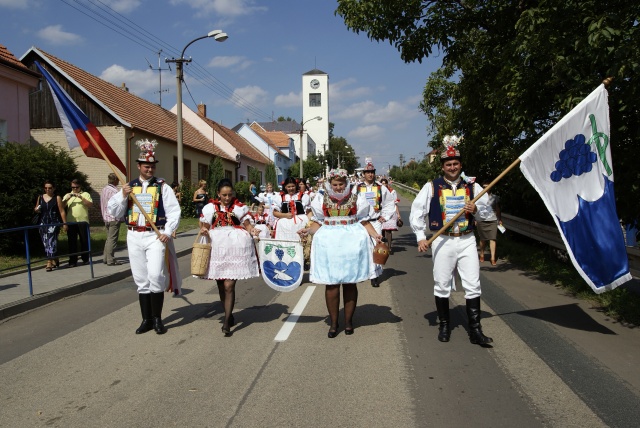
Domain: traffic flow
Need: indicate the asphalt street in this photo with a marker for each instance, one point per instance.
(556, 361)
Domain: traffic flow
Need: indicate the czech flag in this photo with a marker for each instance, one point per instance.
(570, 167)
(77, 125)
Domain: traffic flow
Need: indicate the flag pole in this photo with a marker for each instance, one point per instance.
(122, 180)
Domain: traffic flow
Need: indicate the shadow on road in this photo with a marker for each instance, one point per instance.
(569, 316)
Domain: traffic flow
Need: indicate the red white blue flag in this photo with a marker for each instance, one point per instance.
(76, 125)
(570, 167)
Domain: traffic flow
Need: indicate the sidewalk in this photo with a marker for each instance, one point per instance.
(65, 281)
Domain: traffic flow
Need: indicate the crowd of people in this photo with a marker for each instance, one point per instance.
(339, 222)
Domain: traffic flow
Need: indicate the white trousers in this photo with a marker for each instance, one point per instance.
(146, 255)
(378, 227)
(451, 253)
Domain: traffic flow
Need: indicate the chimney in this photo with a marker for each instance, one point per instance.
(202, 109)
(124, 87)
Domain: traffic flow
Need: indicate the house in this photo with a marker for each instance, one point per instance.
(292, 129)
(281, 160)
(248, 157)
(122, 118)
(16, 82)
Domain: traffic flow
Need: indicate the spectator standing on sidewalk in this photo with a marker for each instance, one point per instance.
(438, 202)
(487, 220)
(146, 248)
(111, 223)
(78, 204)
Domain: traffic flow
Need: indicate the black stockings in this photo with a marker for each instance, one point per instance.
(350, 296)
(227, 291)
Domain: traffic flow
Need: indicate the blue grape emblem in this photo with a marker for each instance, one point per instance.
(280, 254)
(575, 159)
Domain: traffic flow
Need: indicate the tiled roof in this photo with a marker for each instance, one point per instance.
(10, 60)
(276, 139)
(135, 111)
(315, 71)
(237, 141)
(287, 126)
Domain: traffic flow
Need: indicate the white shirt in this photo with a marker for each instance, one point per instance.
(387, 202)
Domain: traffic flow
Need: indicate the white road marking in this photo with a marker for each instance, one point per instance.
(287, 328)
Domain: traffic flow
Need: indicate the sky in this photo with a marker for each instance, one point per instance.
(254, 75)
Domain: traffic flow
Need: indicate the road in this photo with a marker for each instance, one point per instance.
(556, 362)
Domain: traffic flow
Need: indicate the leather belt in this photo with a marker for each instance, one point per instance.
(143, 228)
(456, 235)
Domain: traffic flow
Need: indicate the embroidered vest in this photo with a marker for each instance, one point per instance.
(339, 208)
(291, 205)
(445, 204)
(225, 218)
(151, 200)
(374, 196)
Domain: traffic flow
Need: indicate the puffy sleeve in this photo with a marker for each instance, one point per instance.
(117, 205)
(241, 212)
(277, 202)
(316, 209)
(171, 209)
(363, 208)
(207, 213)
(419, 212)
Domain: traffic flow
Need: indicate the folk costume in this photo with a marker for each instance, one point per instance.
(381, 206)
(341, 249)
(153, 264)
(392, 222)
(261, 222)
(233, 253)
(439, 201)
(268, 199)
(298, 203)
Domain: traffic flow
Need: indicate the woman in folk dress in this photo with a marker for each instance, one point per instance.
(342, 248)
(289, 209)
(233, 255)
(391, 225)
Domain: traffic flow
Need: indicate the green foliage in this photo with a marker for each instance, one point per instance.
(270, 174)
(255, 176)
(510, 71)
(242, 191)
(23, 173)
(187, 189)
(216, 173)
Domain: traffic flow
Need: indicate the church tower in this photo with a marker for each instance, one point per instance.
(315, 102)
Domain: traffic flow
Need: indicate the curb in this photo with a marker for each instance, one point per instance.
(30, 303)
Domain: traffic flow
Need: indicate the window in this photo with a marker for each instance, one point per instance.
(186, 169)
(228, 174)
(315, 100)
(203, 172)
(4, 135)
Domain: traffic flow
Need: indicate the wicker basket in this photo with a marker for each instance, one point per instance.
(200, 255)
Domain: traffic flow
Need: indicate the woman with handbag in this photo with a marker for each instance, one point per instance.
(233, 255)
(342, 248)
(50, 210)
(394, 222)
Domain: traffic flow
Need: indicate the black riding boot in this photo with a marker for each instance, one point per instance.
(475, 329)
(157, 300)
(145, 309)
(442, 305)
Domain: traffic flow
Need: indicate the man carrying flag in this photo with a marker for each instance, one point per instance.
(147, 250)
(570, 167)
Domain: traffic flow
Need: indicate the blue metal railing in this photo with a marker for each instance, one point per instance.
(25, 230)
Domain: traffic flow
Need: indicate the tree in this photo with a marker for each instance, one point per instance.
(216, 173)
(270, 174)
(511, 70)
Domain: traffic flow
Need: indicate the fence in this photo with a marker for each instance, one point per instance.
(545, 234)
(25, 231)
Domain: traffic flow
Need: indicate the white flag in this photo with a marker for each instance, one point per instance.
(570, 167)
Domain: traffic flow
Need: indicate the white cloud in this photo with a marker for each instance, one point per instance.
(123, 6)
(221, 8)
(291, 99)
(234, 62)
(15, 4)
(373, 132)
(253, 95)
(394, 111)
(340, 91)
(56, 36)
(138, 82)
(357, 110)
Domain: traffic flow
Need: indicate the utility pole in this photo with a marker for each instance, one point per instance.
(160, 91)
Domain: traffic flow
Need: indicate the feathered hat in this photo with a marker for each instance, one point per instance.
(450, 151)
(369, 167)
(147, 151)
(338, 173)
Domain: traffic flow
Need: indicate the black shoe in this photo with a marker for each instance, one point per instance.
(232, 321)
(375, 283)
(147, 325)
(348, 331)
(158, 326)
(333, 332)
(226, 331)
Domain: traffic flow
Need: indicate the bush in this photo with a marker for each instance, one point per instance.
(24, 171)
(242, 192)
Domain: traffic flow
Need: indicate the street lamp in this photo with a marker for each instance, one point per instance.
(218, 36)
(301, 145)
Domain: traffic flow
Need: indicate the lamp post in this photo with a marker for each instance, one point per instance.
(301, 145)
(217, 35)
